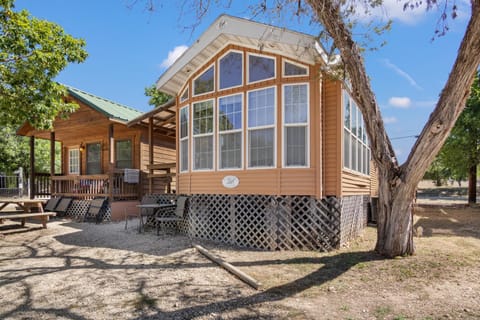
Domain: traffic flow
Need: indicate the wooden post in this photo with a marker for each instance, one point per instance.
(150, 154)
(52, 162)
(32, 167)
(111, 159)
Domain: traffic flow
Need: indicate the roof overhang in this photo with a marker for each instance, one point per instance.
(232, 30)
(163, 119)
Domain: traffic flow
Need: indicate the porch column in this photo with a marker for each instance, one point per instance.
(150, 155)
(111, 159)
(32, 167)
(52, 162)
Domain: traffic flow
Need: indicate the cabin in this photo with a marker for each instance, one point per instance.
(102, 157)
(271, 147)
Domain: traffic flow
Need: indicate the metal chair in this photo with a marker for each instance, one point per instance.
(178, 215)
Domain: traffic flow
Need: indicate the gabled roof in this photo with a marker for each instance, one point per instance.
(232, 30)
(112, 110)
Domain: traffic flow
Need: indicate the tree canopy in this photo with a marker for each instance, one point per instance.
(157, 98)
(32, 54)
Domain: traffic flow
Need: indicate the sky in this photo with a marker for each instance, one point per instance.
(130, 46)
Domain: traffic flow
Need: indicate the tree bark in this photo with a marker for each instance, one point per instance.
(472, 184)
(397, 184)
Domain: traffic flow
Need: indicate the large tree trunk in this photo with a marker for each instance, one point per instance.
(397, 184)
(472, 184)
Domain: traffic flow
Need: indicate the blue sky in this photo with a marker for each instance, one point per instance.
(129, 49)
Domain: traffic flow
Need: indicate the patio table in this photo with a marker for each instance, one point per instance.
(158, 207)
(25, 204)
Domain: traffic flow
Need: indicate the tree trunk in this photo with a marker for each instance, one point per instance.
(395, 216)
(397, 184)
(472, 184)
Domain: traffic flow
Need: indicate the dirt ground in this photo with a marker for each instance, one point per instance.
(85, 271)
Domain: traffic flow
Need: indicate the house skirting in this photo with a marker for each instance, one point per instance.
(78, 210)
(275, 222)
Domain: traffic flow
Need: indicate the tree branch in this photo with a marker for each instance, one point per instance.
(329, 14)
(451, 103)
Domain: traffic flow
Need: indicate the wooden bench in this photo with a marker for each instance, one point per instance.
(43, 216)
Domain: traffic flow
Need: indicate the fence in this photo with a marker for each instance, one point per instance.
(11, 186)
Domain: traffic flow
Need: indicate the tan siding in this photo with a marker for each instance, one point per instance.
(297, 182)
(373, 180)
(353, 184)
(332, 137)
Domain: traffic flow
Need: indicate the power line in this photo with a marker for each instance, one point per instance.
(405, 137)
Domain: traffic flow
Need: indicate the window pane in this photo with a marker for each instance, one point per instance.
(184, 155)
(123, 154)
(261, 147)
(231, 70)
(347, 110)
(74, 161)
(203, 152)
(184, 122)
(296, 103)
(184, 95)
(296, 146)
(260, 68)
(346, 149)
(294, 70)
(354, 119)
(94, 165)
(261, 107)
(230, 113)
(203, 117)
(204, 83)
(353, 151)
(231, 150)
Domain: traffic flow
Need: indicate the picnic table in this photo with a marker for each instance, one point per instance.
(25, 211)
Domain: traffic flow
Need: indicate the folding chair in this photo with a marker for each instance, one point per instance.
(96, 210)
(62, 206)
(52, 204)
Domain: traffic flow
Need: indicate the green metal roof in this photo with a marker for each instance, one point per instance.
(110, 109)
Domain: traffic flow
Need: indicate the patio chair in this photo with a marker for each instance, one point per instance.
(51, 204)
(96, 210)
(178, 213)
(62, 206)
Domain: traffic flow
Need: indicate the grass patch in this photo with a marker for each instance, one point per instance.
(144, 302)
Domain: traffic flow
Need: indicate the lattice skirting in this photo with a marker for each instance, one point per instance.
(78, 209)
(353, 217)
(265, 222)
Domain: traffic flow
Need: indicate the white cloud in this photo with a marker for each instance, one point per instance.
(402, 73)
(400, 102)
(173, 55)
(388, 120)
(392, 10)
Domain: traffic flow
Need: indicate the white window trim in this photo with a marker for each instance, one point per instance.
(182, 92)
(79, 162)
(296, 64)
(274, 126)
(218, 71)
(184, 138)
(357, 138)
(214, 81)
(231, 131)
(301, 124)
(192, 161)
(265, 56)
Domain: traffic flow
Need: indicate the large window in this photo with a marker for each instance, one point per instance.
(261, 128)
(203, 135)
(123, 154)
(230, 131)
(295, 117)
(356, 153)
(74, 161)
(231, 70)
(205, 82)
(94, 158)
(184, 139)
(260, 68)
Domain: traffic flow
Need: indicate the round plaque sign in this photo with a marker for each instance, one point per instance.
(230, 182)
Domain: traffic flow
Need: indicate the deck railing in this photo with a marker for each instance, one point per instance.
(97, 185)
